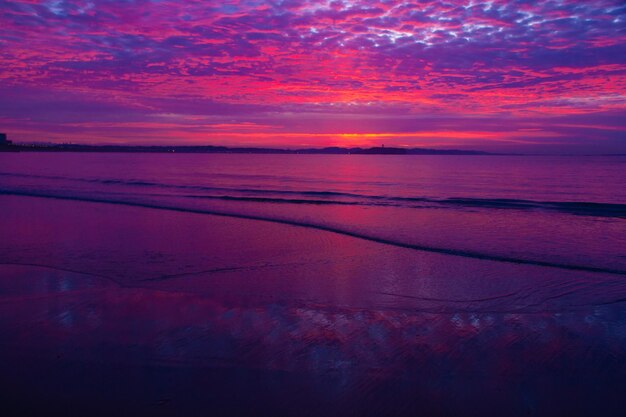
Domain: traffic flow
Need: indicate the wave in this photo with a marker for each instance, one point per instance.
(582, 208)
(134, 182)
(577, 208)
(259, 195)
(272, 200)
(326, 228)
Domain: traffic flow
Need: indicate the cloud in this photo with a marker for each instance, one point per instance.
(283, 60)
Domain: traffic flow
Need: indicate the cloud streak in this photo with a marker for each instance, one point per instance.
(312, 72)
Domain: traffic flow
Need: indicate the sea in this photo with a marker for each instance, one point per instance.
(316, 284)
(560, 211)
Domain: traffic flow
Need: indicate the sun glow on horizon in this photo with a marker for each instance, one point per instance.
(479, 74)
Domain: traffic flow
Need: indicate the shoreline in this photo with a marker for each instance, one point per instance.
(143, 312)
(442, 251)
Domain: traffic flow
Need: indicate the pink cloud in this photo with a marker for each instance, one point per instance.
(270, 65)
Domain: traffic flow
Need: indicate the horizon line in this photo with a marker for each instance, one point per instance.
(290, 150)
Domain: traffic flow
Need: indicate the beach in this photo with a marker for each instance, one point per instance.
(118, 309)
(313, 208)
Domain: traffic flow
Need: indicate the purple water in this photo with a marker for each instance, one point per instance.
(159, 284)
(566, 211)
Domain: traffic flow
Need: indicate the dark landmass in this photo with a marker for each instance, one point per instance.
(223, 149)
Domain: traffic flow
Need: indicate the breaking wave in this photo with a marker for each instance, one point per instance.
(314, 197)
(138, 202)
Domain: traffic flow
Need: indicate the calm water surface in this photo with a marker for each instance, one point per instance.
(138, 284)
(567, 211)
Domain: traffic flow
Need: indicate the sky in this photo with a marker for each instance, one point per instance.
(504, 76)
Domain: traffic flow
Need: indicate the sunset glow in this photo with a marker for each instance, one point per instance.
(518, 76)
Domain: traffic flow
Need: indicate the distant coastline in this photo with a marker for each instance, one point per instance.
(238, 150)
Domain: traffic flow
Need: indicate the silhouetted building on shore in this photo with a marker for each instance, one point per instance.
(4, 140)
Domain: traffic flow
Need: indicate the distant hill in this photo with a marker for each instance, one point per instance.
(223, 149)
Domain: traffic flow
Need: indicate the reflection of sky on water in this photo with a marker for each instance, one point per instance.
(287, 318)
(189, 329)
(348, 356)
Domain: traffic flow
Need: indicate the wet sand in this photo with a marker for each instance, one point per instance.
(112, 310)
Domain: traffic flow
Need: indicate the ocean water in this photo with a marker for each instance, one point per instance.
(567, 212)
(195, 284)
